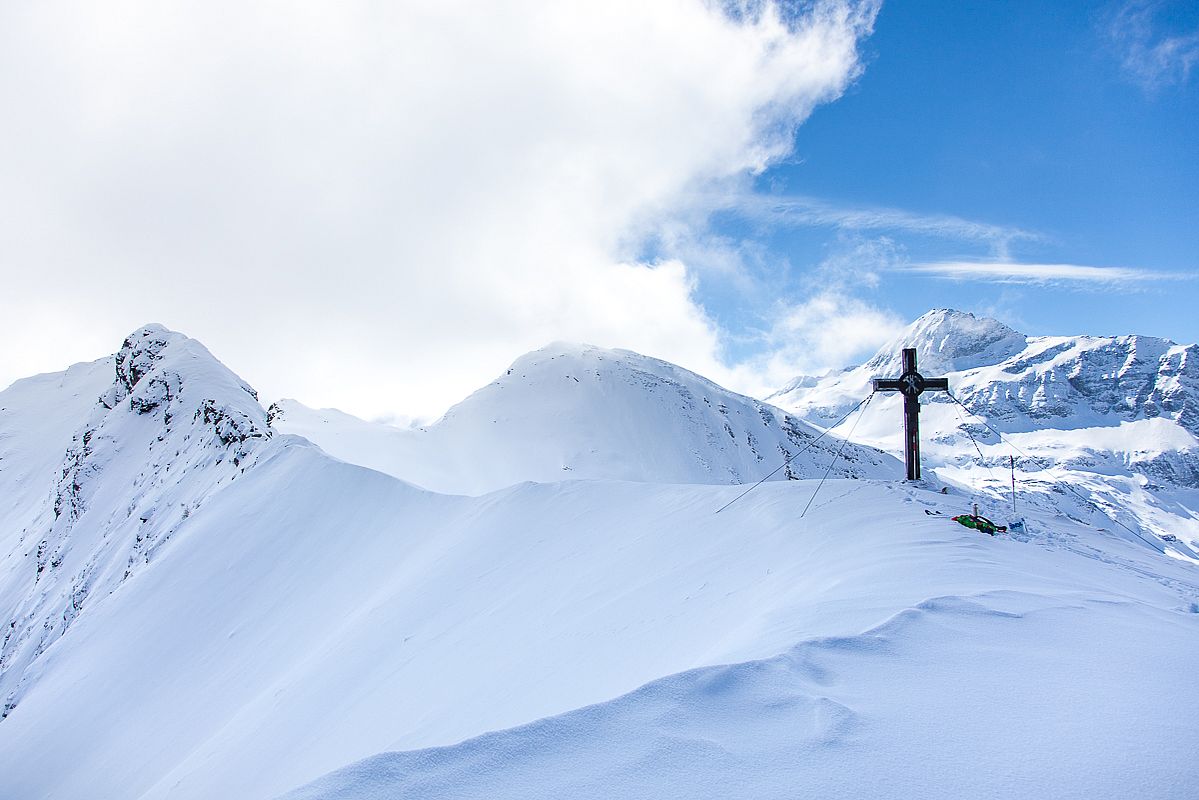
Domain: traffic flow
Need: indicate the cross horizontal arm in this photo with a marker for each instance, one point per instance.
(887, 385)
(941, 384)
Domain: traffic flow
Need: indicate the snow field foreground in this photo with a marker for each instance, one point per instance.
(315, 613)
(1060, 666)
(1003, 695)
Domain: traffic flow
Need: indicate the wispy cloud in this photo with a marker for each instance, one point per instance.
(828, 330)
(1151, 55)
(801, 210)
(831, 326)
(1009, 272)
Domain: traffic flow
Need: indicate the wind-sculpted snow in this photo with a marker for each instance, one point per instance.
(986, 697)
(170, 427)
(317, 613)
(573, 411)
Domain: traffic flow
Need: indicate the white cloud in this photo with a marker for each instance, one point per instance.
(833, 326)
(1008, 272)
(805, 211)
(830, 330)
(377, 207)
(860, 263)
(1151, 55)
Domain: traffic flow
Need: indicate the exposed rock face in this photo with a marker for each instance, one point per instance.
(174, 426)
(1078, 381)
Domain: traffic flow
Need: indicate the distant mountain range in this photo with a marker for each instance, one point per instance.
(1116, 416)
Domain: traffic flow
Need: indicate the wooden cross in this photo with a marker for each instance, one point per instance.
(912, 384)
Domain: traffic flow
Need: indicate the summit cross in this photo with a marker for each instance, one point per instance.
(912, 384)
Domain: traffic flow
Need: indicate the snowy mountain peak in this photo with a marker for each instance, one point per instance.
(573, 411)
(559, 362)
(579, 411)
(171, 427)
(140, 350)
(947, 340)
(159, 368)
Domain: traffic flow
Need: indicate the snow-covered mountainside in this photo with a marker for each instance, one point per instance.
(1116, 417)
(101, 465)
(575, 411)
(261, 618)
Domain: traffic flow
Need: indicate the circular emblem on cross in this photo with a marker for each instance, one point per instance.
(911, 383)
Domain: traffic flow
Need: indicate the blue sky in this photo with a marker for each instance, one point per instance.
(1051, 122)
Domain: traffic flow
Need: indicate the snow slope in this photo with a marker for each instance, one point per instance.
(38, 417)
(279, 639)
(306, 613)
(1112, 417)
(990, 696)
(576, 411)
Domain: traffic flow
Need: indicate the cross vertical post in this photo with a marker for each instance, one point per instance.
(911, 384)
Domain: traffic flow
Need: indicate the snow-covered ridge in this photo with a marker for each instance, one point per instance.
(256, 613)
(169, 427)
(150, 434)
(570, 411)
(1076, 381)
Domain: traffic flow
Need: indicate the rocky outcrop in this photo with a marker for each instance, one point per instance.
(174, 427)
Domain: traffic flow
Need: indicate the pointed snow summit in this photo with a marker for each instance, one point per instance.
(571, 411)
(949, 341)
(122, 451)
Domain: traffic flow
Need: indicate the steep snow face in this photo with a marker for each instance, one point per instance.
(38, 418)
(1114, 416)
(146, 448)
(1070, 382)
(574, 411)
